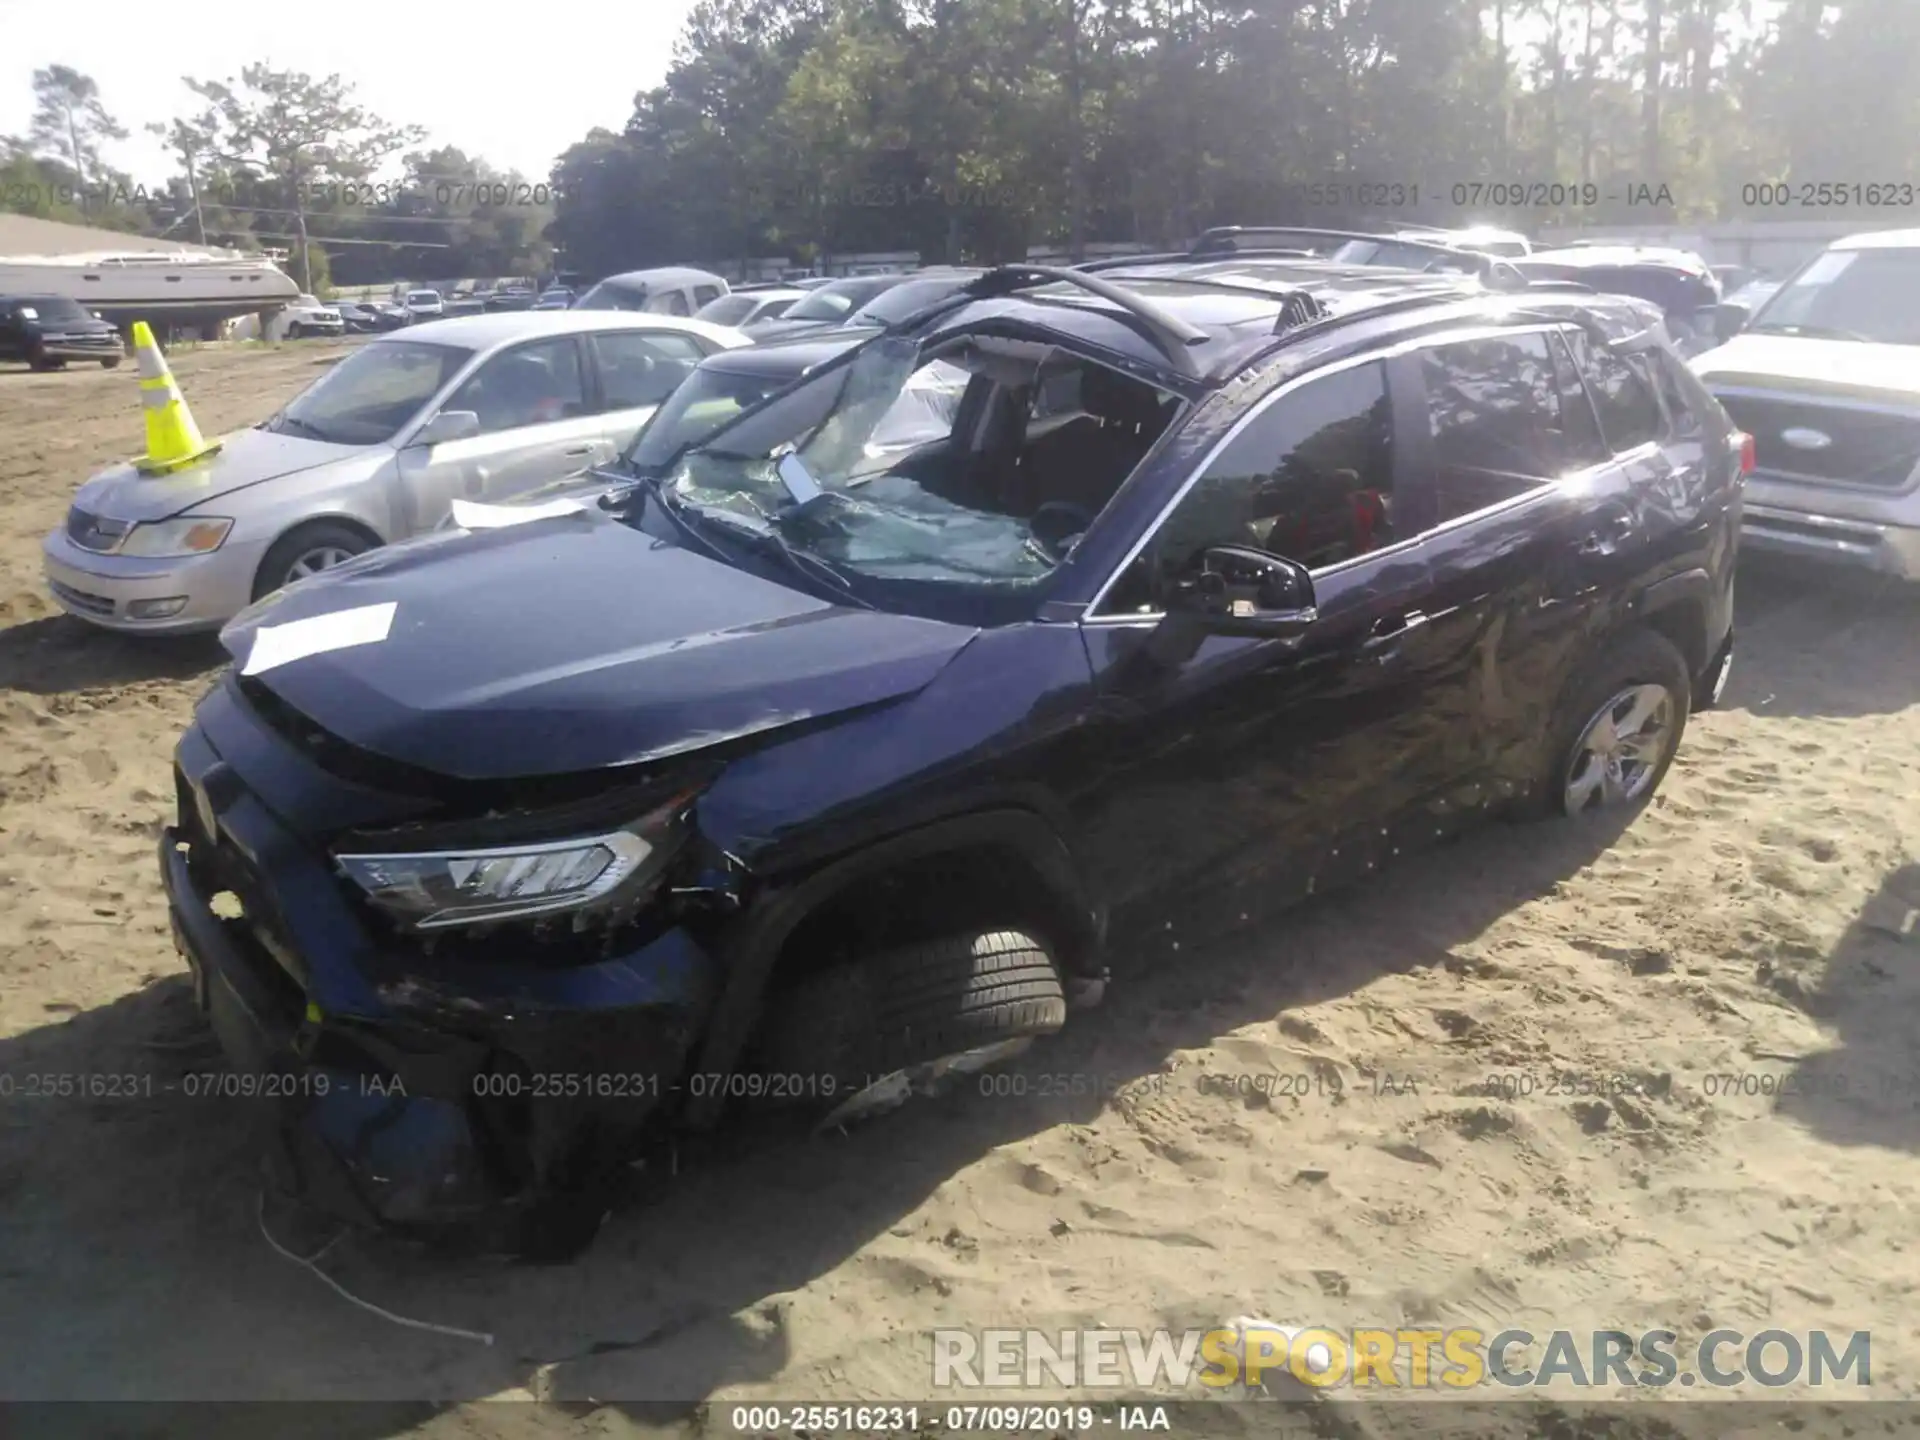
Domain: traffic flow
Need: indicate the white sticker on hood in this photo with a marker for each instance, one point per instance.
(275, 645)
(470, 515)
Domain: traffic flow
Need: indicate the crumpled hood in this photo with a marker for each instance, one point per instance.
(568, 644)
(245, 457)
(1772, 361)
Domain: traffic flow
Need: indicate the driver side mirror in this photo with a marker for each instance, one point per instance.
(448, 426)
(1729, 319)
(1246, 592)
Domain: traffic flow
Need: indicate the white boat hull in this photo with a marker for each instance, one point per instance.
(171, 288)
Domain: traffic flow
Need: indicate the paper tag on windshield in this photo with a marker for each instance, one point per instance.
(794, 475)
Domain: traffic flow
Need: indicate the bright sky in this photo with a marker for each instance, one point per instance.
(514, 86)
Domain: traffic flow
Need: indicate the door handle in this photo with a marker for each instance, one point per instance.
(1384, 640)
(1606, 538)
(578, 451)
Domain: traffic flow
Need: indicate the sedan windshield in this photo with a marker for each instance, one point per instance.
(834, 303)
(369, 395)
(1869, 295)
(54, 307)
(703, 403)
(727, 310)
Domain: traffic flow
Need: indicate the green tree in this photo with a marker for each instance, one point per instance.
(302, 134)
(69, 119)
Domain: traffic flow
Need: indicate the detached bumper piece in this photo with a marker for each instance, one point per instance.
(468, 1125)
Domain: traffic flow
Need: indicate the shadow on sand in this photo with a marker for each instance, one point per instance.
(138, 1272)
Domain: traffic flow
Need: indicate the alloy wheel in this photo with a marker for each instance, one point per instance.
(322, 557)
(1620, 751)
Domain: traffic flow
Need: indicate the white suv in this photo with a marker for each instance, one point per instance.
(424, 305)
(304, 315)
(1825, 375)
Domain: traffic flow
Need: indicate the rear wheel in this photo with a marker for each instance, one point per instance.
(861, 1038)
(308, 551)
(110, 362)
(1617, 731)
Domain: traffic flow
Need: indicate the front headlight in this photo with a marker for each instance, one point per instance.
(174, 539)
(442, 889)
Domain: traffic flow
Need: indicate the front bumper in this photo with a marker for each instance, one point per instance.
(106, 348)
(465, 1104)
(109, 590)
(1861, 532)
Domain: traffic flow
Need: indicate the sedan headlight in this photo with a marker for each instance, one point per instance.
(438, 890)
(173, 539)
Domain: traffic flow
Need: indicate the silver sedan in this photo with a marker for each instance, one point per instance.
(485, 408)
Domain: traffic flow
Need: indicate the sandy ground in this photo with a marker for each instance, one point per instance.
(1735, 930)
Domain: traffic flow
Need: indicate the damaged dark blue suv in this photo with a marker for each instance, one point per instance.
(826, 753)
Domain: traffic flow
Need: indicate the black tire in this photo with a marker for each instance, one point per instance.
(320, 534)
(294, 332)
(110, 363)
(913, 1005)
(44, 363)
(1639, 657)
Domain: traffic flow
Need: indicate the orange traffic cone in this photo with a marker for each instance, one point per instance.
(173, 440)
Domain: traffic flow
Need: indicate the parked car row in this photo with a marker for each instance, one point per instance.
(804, 708)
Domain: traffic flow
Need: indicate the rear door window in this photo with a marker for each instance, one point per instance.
(1664, 367)
(640, 368)
(533, 384)
(1494, 411)
(668, 302)
(1623, 397)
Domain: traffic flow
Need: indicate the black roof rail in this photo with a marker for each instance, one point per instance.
(1226, 239)
(1175, 336)
(1120, 262)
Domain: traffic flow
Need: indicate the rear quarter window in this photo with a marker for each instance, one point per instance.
(1679, 391)
(1623, 398)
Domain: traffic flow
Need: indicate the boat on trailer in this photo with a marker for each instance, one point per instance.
(175, 288)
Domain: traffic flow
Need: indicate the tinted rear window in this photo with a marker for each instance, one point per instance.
(1630, 415)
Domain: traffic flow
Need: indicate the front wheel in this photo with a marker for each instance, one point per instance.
(295, 331)
(865, 1037)
(111, 362)
(1618, 729)
(308, 551)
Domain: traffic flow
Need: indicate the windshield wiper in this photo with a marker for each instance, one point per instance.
(294, 422)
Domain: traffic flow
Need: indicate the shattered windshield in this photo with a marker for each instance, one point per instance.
(861, 465)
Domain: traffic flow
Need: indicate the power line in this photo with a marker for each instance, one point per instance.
(372, 217)
(343, 240)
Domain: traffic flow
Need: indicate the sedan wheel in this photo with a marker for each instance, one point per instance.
(317, 546)
(1621, 750)
(322, 557)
